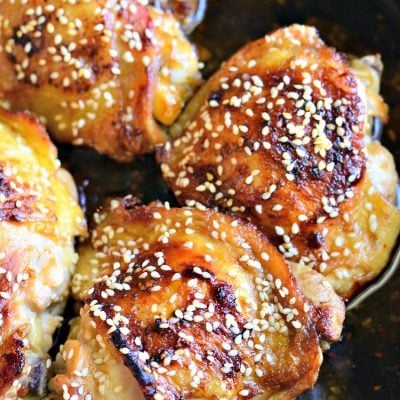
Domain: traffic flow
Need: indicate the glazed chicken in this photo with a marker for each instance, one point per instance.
(105, 74)
(39, 218)
(280, 135)
(188, 304)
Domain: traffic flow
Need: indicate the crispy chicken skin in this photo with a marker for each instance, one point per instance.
(277, 136)
(100, 73)
(39, 217)
(186, 304)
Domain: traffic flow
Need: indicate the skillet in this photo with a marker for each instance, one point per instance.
(365, 364)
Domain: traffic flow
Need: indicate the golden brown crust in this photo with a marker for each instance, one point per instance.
(276, 136)
(196, 304)
(96, 71)
(39, 218)
(264, 141)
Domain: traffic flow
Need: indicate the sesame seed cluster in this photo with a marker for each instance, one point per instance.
(98, 73)
(194, 303)
(272, 137)
(276, 136)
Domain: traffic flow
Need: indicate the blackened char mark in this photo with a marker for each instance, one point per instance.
(131, 360)
(315, 240)
(23, 40)
(316, 173)
(224, 296)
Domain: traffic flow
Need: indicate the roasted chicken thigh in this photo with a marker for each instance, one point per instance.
(280, 135)
(39, 217)
(187, 304)
(100, 73)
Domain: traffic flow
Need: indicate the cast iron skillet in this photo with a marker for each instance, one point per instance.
(366, 363)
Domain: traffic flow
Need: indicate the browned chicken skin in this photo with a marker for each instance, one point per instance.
(100, 73)
(277, 136)
(187, 304)
(39, 217)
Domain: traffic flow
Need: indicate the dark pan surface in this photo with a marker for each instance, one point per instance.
(366, 363)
